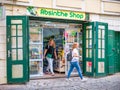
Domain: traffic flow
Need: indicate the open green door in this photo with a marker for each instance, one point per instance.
(88, 48)
(95, 48)
(101, 57)
(17, 49)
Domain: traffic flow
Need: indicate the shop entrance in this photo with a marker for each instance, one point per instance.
(64, 36)
(25, 45)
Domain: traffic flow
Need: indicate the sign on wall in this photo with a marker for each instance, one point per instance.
(56, 13)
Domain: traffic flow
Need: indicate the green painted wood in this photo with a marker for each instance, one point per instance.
(117, 52)
(101, 58)
(24, 61)
(88, 36)
(111, 51)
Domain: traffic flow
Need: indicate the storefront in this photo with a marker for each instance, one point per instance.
(27, 37)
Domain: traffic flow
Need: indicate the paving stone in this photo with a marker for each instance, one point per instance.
(105, 83)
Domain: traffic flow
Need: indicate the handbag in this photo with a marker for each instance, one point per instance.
(45, 62)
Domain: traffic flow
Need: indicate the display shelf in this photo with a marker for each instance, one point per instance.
(36, 59)
(60, 66)
(38, 43)
(36, 49)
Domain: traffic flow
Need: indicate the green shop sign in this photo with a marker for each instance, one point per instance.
(62, 14)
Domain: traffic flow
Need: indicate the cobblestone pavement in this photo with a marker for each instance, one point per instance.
(111, 82)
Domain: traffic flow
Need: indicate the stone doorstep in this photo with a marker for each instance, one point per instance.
(51, 77)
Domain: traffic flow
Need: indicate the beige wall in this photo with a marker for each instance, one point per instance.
(3, 66)
(42, 3)
(69, 3)
(111, 7)
(15, 10)
(93, 6)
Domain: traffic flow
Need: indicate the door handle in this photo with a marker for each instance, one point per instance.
(9, 53)
(113, 49)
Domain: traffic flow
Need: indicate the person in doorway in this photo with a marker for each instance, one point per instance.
(50, 53)
(75, 62)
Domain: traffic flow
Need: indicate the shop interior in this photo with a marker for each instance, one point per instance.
(64, 35)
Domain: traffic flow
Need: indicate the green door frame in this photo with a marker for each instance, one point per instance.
(17, 49)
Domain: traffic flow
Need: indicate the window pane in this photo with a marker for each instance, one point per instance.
(90, 43)
(16, 21)
(17, 71)
(99, 43)
(35, 51)
(89, 66)
(86, 43)
(90, 53)
(19, 30)
(13, 42)
(14, 54)
(101, 67)
(103, 43)
(20, 54)
(90, 34)
(103, 53)
(20, 43)
(99, 33)
(99, 53)
(13, 29)
(86, 33)
(103, 34)
(35, 67)
(35, 35)
(86, 53)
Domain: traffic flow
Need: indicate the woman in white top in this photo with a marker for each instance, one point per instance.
(75, 61)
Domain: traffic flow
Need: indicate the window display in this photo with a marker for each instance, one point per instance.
(35, 49)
